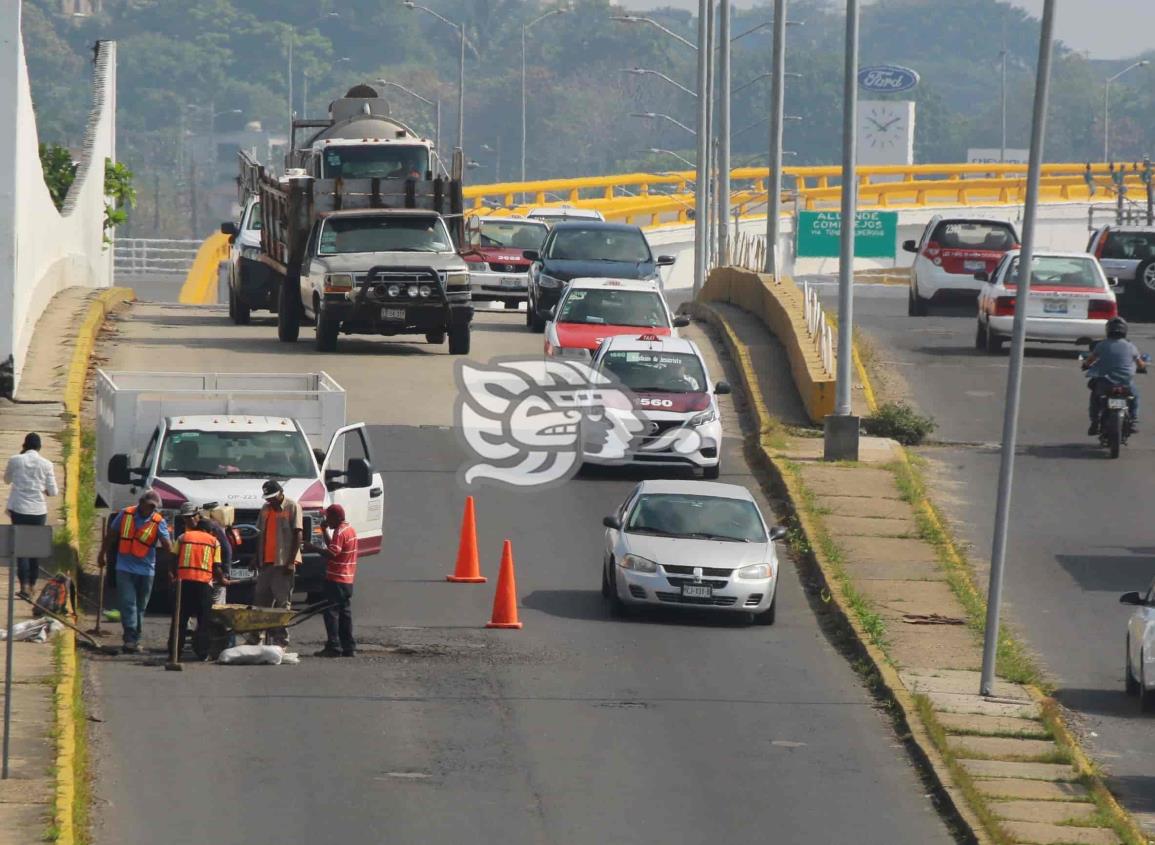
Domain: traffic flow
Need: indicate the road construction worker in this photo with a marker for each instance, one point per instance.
(340, 554)
(131, 541)
(280, 526)
(198, 565)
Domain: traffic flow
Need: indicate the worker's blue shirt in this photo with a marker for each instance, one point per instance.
(1115, 360)
(131, 563)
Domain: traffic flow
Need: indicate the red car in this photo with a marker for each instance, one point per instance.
(498, 268)
(591, 310)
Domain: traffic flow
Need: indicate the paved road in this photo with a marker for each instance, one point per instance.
(577, 729)
(1081, 534)
(154, 287)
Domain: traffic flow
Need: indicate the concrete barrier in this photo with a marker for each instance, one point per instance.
(780, 307)
(201, 286)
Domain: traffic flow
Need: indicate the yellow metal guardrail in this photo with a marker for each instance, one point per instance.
(200, 285)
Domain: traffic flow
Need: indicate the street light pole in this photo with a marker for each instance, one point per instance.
(702, 177)
(711, 121)
(777, 105)
(724, 132)
(1107, 106)
(524, 98)
(1015, 374)
(460, 28)
(1003, 98)
(434, 104)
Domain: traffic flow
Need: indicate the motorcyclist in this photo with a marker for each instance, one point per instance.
(1113, 363)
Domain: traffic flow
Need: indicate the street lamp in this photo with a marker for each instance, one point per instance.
(641, 71)
(655, 25)
(1107, 106)
(434, 104)
(649, 115)
(460, 28)
(306, 76)
(524, 99)
(671, 153)
(292, 30)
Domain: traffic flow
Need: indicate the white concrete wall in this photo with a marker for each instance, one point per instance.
(42, 250)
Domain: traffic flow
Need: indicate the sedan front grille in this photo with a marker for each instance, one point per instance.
(498, 267)
(708, 571)
(678, 598)
(682, 582)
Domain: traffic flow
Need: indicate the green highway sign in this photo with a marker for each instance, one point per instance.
(820, 232)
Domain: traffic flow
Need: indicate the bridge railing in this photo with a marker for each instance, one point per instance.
(139, 256)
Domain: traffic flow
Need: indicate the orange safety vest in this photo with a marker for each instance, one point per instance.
(195, 555)
(138, 543)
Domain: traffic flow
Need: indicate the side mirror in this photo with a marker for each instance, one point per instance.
(1131, 598)
(358, 473)
(681, 321)
(778, 532)
(229, 228)
(666, 260)
(551, 312)
(1112, 281)
(612, 522)
(532, 255)
(118, 470)
(722, 388)
(982, 276)
(909, 246)
(319, 454)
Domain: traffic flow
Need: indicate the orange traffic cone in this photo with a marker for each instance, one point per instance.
(505, 600)
(468, 569)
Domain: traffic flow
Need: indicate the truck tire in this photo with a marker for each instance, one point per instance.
(459, 335)
(327, 332)
(241, 312)
(436, 338)
(289, 312)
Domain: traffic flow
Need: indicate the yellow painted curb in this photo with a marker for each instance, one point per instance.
(98, 309)
(200, 285)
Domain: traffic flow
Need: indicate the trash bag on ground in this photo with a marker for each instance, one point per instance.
(253, 655)
(32, 630)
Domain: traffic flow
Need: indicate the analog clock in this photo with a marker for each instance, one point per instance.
(883, 127)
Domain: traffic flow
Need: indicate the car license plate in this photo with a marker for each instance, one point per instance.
(974, 265)
(1116, 404)
(392, 313)
(697, 591)
(512, 282)
(1055, 306)
(241, 573)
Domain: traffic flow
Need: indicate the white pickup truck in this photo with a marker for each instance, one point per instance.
(217, 437)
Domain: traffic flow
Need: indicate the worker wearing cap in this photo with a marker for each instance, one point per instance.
(198, 565)
(340, 554)
(131, 541)
(280, 530)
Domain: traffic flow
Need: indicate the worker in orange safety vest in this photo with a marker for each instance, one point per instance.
(198, 565)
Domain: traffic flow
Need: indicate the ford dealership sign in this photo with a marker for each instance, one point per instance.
(887, 79)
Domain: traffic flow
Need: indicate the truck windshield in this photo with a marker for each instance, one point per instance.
(236, 454)
(383, 161)
(384, 234)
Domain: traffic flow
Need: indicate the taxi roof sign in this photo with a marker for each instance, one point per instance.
(650, 337)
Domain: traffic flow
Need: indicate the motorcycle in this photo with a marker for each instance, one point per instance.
(1115, 422)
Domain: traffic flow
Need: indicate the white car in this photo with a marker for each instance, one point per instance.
(1070, 300)
(671, 388)
(691, 544)
(949, 253)
(550, 214)
(495, 253)
(592, 310)
(1140, 669)
(251, 286)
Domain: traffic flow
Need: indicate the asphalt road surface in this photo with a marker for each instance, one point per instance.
(1081, 530)
(577, 729)
(153, 287)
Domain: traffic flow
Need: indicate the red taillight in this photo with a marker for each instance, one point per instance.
(1102, 309)
(932, 251)
(1102, 245)
(1005, 306)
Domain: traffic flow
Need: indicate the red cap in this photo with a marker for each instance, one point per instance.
(336, 511)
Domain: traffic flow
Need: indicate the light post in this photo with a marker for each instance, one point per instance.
(649, 115)
(641, 71)
(651, 22)
(671, 153)
(434, 104)
(460, 28)
(305, 77)
(777, 106)
(524, 97)
(702, 180)
(1003, 106)
(292, 30)
(1107, 106)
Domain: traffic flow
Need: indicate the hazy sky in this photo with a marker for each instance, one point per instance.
(1107, 29)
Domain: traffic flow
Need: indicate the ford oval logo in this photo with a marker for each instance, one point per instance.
(883, 79)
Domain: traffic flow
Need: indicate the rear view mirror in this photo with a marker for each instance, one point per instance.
(1112, 281)
(358, 473)
(982, 276)
(229, 228)
(666, 260)
(909, 246)
(722, 388)
(1131, 598)
(551, 312)
(532, 255)
(681, 321)
(118, 471)
(612, 522)
(778, 532)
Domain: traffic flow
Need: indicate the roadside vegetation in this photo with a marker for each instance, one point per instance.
(899, 421)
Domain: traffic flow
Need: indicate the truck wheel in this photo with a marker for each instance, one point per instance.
(232, 304)
(242, 313)
(510, 304)
(436, 338)
(289, 313)
(459, 339)
(327, 331)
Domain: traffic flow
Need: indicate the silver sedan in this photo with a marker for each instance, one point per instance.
(691, 544)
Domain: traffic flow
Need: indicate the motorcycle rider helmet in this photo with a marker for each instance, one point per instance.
(1117, 327)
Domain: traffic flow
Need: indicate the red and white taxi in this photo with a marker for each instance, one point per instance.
(950, 252)
(1069, 301)
(592, 310)
(671, 392)
(495, 256)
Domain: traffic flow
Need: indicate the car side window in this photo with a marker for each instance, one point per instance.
(150, 450)
(627, 505)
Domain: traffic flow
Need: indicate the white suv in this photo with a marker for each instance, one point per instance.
(949, 254)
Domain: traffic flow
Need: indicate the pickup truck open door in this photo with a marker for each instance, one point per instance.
(356, 487)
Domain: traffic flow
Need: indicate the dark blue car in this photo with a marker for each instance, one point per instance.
(586, 250)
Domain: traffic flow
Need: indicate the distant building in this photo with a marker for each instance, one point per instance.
(216, 158)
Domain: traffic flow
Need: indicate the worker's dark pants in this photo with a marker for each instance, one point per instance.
(339, 617)
(1099, 388)
(196, 600)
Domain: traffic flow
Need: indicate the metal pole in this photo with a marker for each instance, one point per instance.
(703, 152)
(1107, 120)
(711, 122)
(523, 104)
(461, 93)
(305, 95)
(842, 405)
(777, 97)
(292, 37)
(1015, 374)
(11, 557)
(1003, 148)
(724, 132)
(437, 127)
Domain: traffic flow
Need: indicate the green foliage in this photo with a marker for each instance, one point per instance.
(899, 421)
(120, 192)
(59, 171)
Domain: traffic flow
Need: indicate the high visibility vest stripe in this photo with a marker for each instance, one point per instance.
(196, 555)
(138, 543)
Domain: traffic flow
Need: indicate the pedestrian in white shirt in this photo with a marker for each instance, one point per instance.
(32, 480)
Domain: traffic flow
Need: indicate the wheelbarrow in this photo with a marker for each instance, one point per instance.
(227, 620)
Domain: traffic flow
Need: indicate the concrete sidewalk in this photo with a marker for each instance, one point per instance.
(1007, 758)
(27, 798)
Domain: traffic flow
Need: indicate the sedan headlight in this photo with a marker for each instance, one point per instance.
(756, 572)
(707, 416)
(338, 282)
(253, 253)
(638, 564)
(549, 281)
(457, 279)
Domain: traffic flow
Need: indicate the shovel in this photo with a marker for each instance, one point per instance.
(96, 632)
(88, 638)
(174, 664)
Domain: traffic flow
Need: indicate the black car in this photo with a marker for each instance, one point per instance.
(588, 249)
